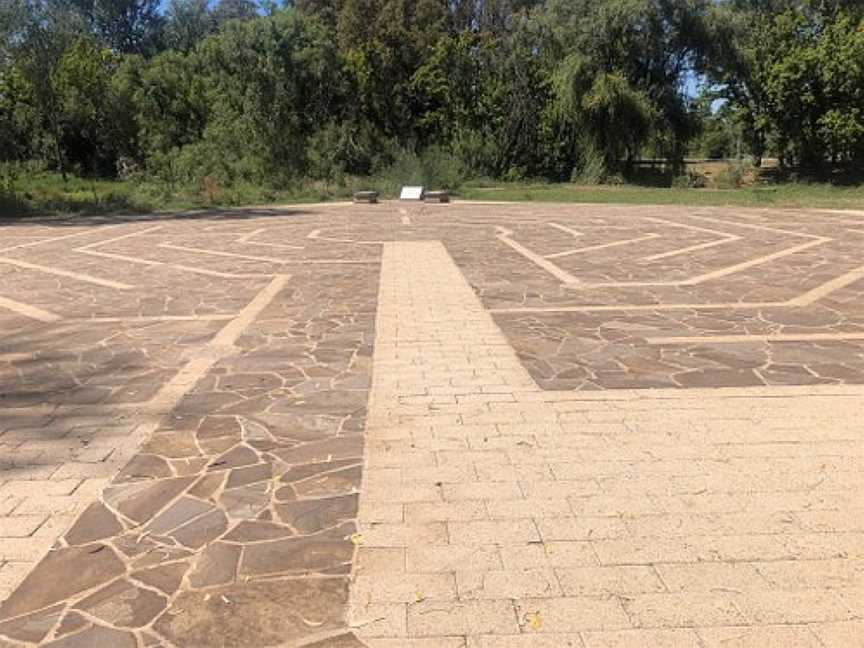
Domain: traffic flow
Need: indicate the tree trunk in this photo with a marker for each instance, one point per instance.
(58, 150)
(60, 166)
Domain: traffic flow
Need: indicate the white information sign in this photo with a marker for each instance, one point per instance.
(411, 193)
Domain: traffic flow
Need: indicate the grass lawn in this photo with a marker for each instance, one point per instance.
(782, 195)
(46, 193)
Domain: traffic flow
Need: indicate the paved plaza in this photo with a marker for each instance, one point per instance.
(433, 426)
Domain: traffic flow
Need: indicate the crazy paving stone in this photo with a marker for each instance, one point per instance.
(172, 445)
(166, 578)
(32, 627)
(145, 466)
(207, 485)
(123, 604)
(270, 613)
(342, 641)
(335, 483)
(312, 516)
(294, 555)
(62, 574)
(249, 475)
(72, 622)
(217, 565)
(255, 531)
(302, 472)
(219, 426)
(202, 530)
(338, 448)
(235, 458)
(179, 513)
(141, 500)
(245, 502)
(95, 523)
(96, 637)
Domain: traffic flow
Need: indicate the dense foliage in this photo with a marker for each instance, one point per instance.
(559, 89)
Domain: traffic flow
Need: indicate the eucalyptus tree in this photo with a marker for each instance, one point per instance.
(226, 10)
(126, 26)
(793, 70)
(187, 23)
(38, 35)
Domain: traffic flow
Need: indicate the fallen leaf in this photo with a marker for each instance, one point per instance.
(534, 620)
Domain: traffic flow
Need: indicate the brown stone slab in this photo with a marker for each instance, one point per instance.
(262, 614)
(62, 574)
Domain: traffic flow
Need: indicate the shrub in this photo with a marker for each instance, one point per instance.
(11, 205)
(476, 151)
(210, 190)
(9, 173)
(348, 148)
(435, 167)
(591, 167)
(730, 177)
(690, 180)
(442, 169)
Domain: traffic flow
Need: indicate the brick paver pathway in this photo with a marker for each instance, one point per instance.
(497, 514)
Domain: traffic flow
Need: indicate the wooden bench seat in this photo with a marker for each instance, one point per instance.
(370, 197)
(437, 196)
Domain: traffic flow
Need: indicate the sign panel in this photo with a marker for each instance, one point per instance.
(411, 193)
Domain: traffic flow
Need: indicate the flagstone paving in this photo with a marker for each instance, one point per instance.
(466, 425)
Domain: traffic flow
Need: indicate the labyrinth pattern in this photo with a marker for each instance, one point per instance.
(625, 299)
(184, 399)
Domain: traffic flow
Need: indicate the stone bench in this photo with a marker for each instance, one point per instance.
(437, 196)
(370, 197)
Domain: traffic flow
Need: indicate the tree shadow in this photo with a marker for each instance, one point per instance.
(55, 398)
(838, 175)
(120, 217)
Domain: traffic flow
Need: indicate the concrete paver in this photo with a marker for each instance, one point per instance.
(675, 522)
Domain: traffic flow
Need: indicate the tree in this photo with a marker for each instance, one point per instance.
(325, 12)
(489, 16)
(269, 83)
(620, 71)
(18, 117)
(510, 88)
(234, 10)
(40, 38)
(188, 22)
(793, 73)
(126, 26)
(13, 16)
(169, 94)
(93, 130)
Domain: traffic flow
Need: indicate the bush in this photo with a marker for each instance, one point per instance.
(435, 167)
(690, 180)
(591, 168)
(11, 205)
(441, 168)
(337, 150)
(9, 173)
(476, 151)
(717, 144)
(730, 177)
